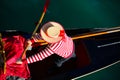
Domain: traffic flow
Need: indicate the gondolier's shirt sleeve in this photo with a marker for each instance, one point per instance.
(43, 54)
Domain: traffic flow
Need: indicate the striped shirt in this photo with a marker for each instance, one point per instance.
(63, 48)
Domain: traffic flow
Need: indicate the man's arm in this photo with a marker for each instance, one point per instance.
(40, 56)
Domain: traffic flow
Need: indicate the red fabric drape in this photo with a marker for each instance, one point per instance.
(14, 46)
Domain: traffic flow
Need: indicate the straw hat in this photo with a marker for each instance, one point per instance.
(52, 32)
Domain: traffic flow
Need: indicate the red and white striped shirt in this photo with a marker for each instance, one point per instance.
(63, 48)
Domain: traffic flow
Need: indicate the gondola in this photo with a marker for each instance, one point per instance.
(94, 48)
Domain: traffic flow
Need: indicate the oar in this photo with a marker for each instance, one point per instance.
(107, 31)
(36, 28)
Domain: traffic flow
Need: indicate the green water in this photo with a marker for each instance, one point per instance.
(23, 14)
(110, 73)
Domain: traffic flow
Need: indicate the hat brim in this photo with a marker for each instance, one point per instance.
(46, 37)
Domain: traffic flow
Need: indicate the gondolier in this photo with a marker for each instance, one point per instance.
(58, 43)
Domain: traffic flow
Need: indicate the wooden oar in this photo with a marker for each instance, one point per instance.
(107, 31)
(36, 28)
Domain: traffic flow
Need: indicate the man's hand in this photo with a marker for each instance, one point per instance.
(29, 43)
(29, 46)
(19, 62)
